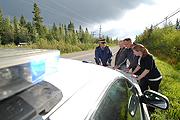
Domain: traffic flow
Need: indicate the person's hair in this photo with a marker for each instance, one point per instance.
(127, 39)
(120, 41)
(140, 47)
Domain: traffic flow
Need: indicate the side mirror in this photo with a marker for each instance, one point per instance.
(133, 105)
(155, 99)
(131, 87)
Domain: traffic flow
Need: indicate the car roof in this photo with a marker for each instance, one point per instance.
(81, 84)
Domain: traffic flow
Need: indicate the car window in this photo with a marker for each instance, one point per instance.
(114, 106)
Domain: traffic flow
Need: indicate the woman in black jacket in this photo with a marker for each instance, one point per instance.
(147, 71)
(150, 75)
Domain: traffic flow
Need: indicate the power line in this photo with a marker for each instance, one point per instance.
(73, 11)
(169, 16)
(57, 12)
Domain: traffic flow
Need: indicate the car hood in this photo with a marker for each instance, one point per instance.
(81, 84)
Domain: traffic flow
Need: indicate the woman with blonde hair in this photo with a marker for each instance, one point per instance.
(147, 71)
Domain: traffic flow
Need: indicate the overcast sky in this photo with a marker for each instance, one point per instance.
(117, 18)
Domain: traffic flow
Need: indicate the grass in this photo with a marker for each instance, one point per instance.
(170, 87)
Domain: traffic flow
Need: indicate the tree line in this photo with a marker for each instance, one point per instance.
(163, 42)
(19, 31)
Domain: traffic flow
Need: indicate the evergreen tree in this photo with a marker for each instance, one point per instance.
(37, 19)
(22, 21)
(1, 23)
(54, 31)
(71, 26)
(111, 41)
(80, 28)
(9, 32)
(74, 39)
(107, 39)
(65, 29)
(29, 27)
(23, 35)
(60, 27)
(177, 26)
(41, 32)
(49, 35)
(62, 32)
(46, 31)
(150, 32)
(87, 37)
(34, 35)
(81, 34)
(16, 31)
(116, 41)
(30, 31)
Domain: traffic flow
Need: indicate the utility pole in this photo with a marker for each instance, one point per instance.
(166, 19)
(100, 32)
(93, 33)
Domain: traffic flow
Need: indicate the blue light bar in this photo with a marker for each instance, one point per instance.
(43, 68)
(23, 68)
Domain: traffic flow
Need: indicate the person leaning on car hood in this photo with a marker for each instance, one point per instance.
(103, 54)
(128, 54)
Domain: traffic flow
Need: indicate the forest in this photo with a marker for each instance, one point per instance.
(61, 37)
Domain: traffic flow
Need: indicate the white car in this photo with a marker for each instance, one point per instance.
(82, 91)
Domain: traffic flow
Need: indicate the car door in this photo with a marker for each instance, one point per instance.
(114, 104)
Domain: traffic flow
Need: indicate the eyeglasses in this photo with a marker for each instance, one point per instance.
(126, 44)
(103, 43)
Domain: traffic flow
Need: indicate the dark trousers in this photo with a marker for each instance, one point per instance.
(154, 85)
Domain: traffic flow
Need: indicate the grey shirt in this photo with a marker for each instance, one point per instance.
(128, 54)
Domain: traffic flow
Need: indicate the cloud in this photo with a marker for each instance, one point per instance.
(87, 13)
(97, 11)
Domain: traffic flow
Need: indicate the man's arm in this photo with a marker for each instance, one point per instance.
(97, 56)
(110, 56)
(134, 63)
(122, 58)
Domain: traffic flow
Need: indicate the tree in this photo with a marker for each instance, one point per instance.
(34, 35)
(22, 21)
(80, 28)
(23, 35)
(49, 35)
(41, 32)
(54, 31)
(37, 19)
(62, 32)
(8, 31)
(116, 41)
(87, 37)
(1, 23)
(29, 27)
(107, 39)
(71, 26)
(16, 31)
(177, 26)
(31, 30)
(80, 34)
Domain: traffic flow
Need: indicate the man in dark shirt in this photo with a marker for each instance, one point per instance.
(103, 54)
(128, 54)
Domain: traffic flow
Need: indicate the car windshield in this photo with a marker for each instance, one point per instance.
(114, 105)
